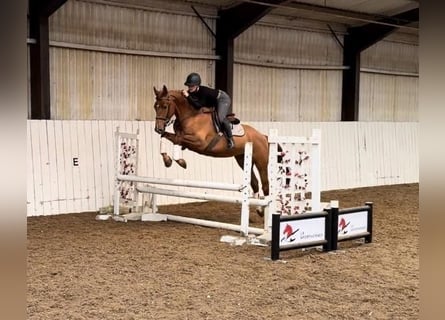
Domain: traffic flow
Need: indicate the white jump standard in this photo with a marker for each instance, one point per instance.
(292, 219)
(294, 172)
(128, 185)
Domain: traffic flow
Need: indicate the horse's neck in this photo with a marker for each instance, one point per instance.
(184, 109)
(191, 120)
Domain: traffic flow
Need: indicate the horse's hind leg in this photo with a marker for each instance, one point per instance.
(254, 184)
(253, 180)
(261, 165)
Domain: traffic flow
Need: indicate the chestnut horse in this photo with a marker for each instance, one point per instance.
(194, 130)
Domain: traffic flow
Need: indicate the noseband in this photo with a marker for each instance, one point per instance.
(166, 119)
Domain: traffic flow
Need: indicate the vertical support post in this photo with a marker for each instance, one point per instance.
(272, 169)
(334, 225)
(267, 219)
(39, 64)
(116, 172)
(328, 231)
(368, 239)
(316, 169)
(245, 192)
(154, 204)
(351, 80)
(135, 192)
(275, 245)
(224, 66)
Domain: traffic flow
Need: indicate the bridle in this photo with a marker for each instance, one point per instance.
(166, 118)
(176, 109)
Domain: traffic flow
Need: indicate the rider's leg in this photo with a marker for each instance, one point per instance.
(224, 108)
(228, 130)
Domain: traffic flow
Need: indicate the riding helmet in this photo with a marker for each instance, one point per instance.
(193, 79)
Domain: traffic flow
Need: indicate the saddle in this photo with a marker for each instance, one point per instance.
(237, 128)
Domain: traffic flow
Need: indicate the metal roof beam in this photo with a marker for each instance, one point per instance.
(365, 36)
(371, 18)
(50, 6)
(240, 17)
(39, 13)
(231, 23)
(357, 40)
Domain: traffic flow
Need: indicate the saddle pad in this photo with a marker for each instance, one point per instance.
(237, 130)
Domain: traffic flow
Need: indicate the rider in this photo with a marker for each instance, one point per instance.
(202, 96)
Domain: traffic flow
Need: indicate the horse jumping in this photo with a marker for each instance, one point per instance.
(195, 131)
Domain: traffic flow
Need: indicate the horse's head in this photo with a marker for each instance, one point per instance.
(164, 108)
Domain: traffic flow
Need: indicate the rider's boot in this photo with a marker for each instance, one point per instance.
(230, 143)
(227, 127)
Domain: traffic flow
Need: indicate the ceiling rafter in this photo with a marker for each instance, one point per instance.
(365, 36)
(231, 23)
(240, 17)
(355, 41)
(337, 12)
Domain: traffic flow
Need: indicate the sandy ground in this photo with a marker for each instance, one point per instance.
(80, 268)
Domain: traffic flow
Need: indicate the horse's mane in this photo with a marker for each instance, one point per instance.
(177, 94)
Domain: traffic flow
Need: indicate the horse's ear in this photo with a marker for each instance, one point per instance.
(164, 90)
(157, 93)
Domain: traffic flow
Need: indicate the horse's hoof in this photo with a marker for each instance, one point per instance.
(168, 164)
(182, 163)
(167, 160)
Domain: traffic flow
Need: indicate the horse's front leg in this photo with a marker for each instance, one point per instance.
(177, 150)
(177, 156)
(172, 137)
(165, 157)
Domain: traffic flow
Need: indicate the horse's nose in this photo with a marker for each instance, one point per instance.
(159, 130)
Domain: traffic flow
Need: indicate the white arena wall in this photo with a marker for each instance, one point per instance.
(70, 163)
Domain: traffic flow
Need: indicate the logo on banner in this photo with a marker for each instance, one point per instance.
(289, 234)
(352, 224)
(343, 226)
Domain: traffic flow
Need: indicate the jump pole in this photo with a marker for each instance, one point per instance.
(126, 177)
(244, 200)
(269, 203)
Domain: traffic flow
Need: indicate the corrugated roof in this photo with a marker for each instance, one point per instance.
(340, 14)
(347, 12)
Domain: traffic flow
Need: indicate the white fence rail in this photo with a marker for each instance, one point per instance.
(70, 164)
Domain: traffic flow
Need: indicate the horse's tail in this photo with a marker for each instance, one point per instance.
(280, 150)
(280, 155)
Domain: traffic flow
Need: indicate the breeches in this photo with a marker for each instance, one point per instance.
(223, 109)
